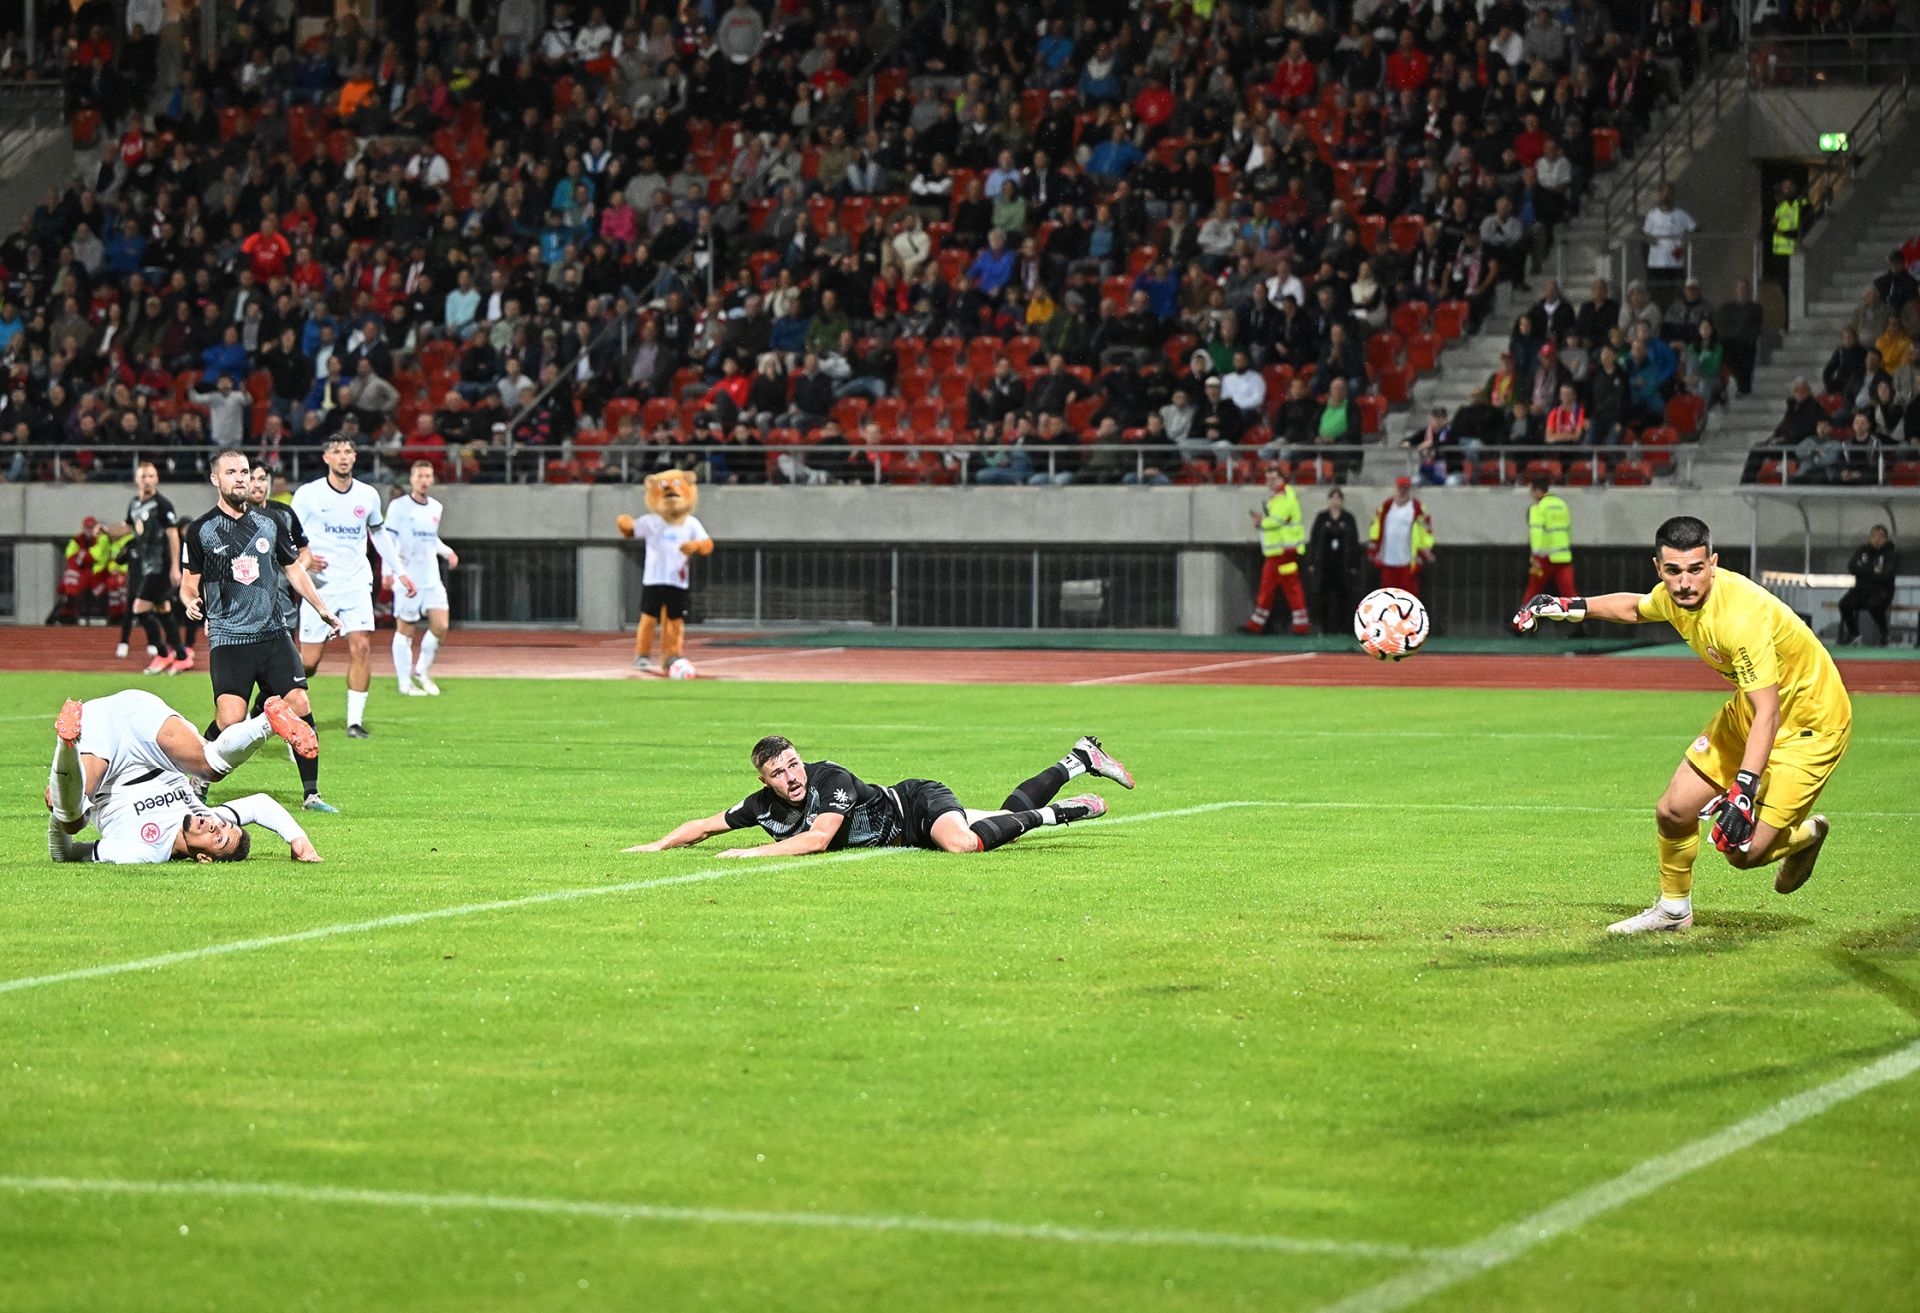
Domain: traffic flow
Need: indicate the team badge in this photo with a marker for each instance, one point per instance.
(1701, 744)
(149, 833)
(841, 795)
(1713, 654)
(245, 569)
(261, 545)
(359, 512)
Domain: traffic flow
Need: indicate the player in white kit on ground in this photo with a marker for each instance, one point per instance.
(341, 515)
(414, 522)
(129, 763)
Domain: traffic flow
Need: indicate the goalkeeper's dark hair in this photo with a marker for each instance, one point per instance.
(240, 849)
(768, 748)
(1683, 533)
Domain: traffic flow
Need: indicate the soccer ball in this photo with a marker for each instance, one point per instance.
(681, 669)
(1390, 623)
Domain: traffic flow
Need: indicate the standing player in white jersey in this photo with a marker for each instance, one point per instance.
(129, 763)
(341, 514)
(414, 522)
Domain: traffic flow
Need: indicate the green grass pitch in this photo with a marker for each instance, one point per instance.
(1390, 1021)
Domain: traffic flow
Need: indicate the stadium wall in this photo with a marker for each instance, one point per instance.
(552, 555)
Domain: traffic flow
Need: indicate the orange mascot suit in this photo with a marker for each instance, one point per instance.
(673, 536)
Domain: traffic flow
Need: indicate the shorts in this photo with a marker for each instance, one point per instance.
(353, 606)
(429, 597)
(271, 663)
(1797, 768)
(668, 601)
(154, 586)
(123, 729)
(922, 802)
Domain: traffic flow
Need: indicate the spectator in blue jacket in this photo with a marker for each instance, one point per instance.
(225, 359)
(1100, 79)
(788, 335)
(127, 250)
(992, 266)
(1115, 157)
(1162, 286)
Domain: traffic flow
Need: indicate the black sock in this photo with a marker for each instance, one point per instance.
(309, 766)
(170, 627)
(150, 625)
(996, 830)
(212, 731)
(126, 623)
(1038, 791)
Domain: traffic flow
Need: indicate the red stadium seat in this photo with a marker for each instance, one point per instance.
(1409, 318)
(1405, 233)
(1606, 148)
(1383, 351)
(1904, 474)
(928, 415)
(1632, 474)
(943, 354)
(1423, 352)
(1396, 381)
(982, 352)
(1686, 414)
(1373, 411)
(1450, 319)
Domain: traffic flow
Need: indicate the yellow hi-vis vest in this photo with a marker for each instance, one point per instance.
(1786, 225)
(1550, 530)
(1280, 527)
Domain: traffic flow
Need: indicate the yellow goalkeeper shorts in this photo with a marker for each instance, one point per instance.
(1797, 768)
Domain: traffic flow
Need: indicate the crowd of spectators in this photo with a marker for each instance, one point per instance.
(1862, 424)
(635, 233)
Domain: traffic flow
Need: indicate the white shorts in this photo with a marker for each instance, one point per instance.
(430, 597)
(353, 607)
(123, 729)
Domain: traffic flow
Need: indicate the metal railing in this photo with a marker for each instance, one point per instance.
(1865, 470)
(1844, 60)
(1721, 86)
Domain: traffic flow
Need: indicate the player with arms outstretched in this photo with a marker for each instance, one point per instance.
(129, 762)
(414, 522)
(341, 515)
(821, 806)
(1760, 764)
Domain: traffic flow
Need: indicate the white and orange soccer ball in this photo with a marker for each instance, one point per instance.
(682, 669)
(1390, 623)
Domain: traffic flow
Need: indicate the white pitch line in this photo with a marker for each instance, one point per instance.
(738, 867)
(1195, 670)
(774, 654)
(1510, 1242)
(640, 1212)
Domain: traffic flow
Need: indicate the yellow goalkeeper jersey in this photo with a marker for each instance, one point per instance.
(1753, 639)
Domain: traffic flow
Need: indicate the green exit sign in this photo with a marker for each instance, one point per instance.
(1832, 142)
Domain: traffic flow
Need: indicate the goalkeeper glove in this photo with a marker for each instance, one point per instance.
(1544, 606)
(1733, 828)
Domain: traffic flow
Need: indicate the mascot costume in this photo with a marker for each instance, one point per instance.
(673, 536)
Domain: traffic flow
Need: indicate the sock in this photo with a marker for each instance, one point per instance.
(429, 649)
(1788, 842)
(150, 626)
(403, 659)
(170, 629)
(1676, 867)
(1040, 790)
(67, 781)
(309, 766)
(126, 624)
(356, 707)
(234, 744)
(1005, 828)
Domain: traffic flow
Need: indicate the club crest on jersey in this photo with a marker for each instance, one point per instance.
(1701, 744)
(245, 569)
(359, 512)
(261, 545)
(1713, 654)
(841, 795)
(150, 833)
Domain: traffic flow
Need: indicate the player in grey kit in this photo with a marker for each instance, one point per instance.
(821, 806)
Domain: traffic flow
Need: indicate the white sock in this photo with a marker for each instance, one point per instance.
(429, 649)
(1676, 906)
(356, 707)
(67, 780)
(1073, 765)
(403, 659)
(1048, 816)
(234, 744)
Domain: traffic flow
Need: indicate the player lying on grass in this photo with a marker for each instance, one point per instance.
(821, 806)
(129, 762)
(1760, 764)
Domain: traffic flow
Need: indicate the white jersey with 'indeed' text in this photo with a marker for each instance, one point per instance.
(337, 525)
(415, 527)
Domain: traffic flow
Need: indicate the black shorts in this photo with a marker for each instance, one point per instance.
(272, 663)
(922, 802)
(154, 586)
(665, 601)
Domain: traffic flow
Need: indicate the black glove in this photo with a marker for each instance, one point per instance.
(1733, 827)
(1545, 606)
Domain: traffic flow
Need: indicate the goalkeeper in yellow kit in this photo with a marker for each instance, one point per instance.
(1760, 764)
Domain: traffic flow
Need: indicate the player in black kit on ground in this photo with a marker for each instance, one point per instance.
(153, 572)
(234, 557)
(821, 806)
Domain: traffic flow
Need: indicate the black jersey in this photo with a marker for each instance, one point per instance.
(239, 561)
(872, 818)
(149, 518)
(290, 526)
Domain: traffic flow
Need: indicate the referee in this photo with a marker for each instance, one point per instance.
(233, 558)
